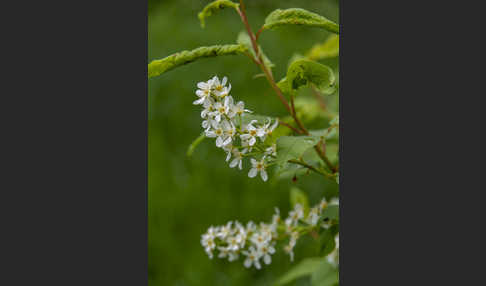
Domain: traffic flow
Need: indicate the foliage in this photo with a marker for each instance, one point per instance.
(306, 72)
(297, 16)
(158, 67)
(213, 7)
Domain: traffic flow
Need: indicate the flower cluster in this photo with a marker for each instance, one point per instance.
(223, 120)
(257, 242)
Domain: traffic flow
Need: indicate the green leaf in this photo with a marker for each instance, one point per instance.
(331, 212)
(158, 67)
(304, 268)
(305, 72)
(293, 147)
(214, 7)
(327, 241)
(195, 143)
(245, 40)
(297, 196)
(328, 49)
(297, 16)
(325, 275)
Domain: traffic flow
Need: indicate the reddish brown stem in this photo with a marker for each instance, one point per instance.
(259, 61)
(290, 126)
(294, 115)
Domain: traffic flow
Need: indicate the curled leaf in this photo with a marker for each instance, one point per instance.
(305, 72)
(158, 67)
(213, 7)
(297, 16)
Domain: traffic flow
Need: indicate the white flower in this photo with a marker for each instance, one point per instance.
(223, 251)
(250, 226)
(266, 129)
(258, 166)
(208, 108)
(237, 160)
(266, 250)
(266, 229)
(290, 251)
(219, 88)
(217, 132)
(233, 256)
(246, 145)
(272, 150)
(260, 238)
(223, 109)
(225, 92)
(204, 92)
(333, 257)
(323, 205)
(225, 230)
(252, 257)
(233, 243)
(241, 236)
(229, 149)
(313, 216)
(229, 132)
(207, 242)
(334, 201)
(276, 216)
(250, 133)
(239, 108)
(295, 215)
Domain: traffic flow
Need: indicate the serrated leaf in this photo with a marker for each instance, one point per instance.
(297, 196)
(325, 275)
(298, 16)
(158, 67)
(293, 147)
(289, 171)
(328, 49)
(245, 40)
(304, 72)
(304, 268)
(214, 7)
(195, 143)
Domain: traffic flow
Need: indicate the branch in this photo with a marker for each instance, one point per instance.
(290, 126)
(312, 168)
(323, 156)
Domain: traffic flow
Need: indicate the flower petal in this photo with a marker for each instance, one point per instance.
(253, 172)
(264, 175)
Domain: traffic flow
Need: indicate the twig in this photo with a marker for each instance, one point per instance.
(324, 158)
(320, 99)
(290, 126)
(294, 115)
(304, 164)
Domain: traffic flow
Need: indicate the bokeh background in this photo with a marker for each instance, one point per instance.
(187, 195)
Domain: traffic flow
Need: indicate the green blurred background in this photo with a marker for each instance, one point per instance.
(187, 195)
